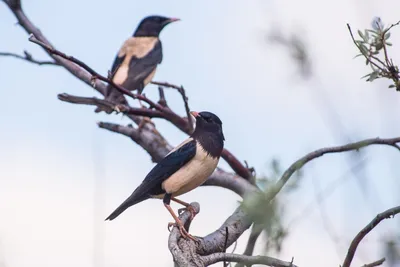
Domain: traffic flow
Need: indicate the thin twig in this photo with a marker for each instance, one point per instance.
(328, 150)
(390, 213)
(366, 56)
(389, 62)
(28, 57)
(93, 101)
(162, 101)
(248, 260)
(375, 263)
(185, 99)
(225, 264)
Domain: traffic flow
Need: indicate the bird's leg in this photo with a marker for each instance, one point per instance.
(187, 207)
(178, 223)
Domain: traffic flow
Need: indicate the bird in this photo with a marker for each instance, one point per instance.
(183, 169)
(136, 62)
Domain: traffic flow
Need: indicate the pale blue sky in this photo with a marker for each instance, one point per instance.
(52, 151)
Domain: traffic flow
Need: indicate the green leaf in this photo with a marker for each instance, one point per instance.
(365, 76)
(366, 37)
(364, 49)
(373, 76)
(392, 86)
(387, 35)
(388, 44)
(361, 34)
(358, 56)
(373, 31)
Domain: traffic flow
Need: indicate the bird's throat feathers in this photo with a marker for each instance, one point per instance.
(211, 143)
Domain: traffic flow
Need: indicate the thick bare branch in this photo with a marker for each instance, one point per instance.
(188, 253)
(28, 57)
(390, 213)
(251, 242)
(248, 260)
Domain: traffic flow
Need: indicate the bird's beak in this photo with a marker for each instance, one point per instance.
(173, 20)
(194, 114)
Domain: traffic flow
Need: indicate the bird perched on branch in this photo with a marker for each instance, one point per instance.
(137, 60)
(186, 167)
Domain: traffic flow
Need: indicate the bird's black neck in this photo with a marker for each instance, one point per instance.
(211, 142)
(146, 33)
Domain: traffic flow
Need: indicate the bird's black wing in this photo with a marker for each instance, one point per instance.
(117, 62)
(152, 184)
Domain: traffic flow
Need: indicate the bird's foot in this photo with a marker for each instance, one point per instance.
(190, 209)
(118, 108)
(182, 230)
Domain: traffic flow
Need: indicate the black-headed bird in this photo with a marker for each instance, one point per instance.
(183, 169)
(136, 62)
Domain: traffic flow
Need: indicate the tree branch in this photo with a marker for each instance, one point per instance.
(375, 263)
(320, 152)
(189, 254)
(248, 260)
(28, 57)
(151, 113)
(251, 242)
(185, 99)
(390, 213)
(86, 75)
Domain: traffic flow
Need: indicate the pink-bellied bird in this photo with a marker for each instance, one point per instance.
(183, 169)
(136, 62)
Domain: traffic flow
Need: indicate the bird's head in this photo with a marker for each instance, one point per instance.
(151, 26)
(207, 123)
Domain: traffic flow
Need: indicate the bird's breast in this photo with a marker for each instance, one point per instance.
(121, 74)
(192, 174)
(138, 46)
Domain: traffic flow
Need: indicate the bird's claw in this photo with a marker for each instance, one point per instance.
(182, 230)
(190, 209)
(118, 109)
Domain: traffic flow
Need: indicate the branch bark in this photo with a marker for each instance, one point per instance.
(244, 259)
(390, 213)
(251, 242)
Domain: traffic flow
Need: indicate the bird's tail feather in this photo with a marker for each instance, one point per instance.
(130, 201)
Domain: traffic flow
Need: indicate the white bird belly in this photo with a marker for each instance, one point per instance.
(191, 175)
